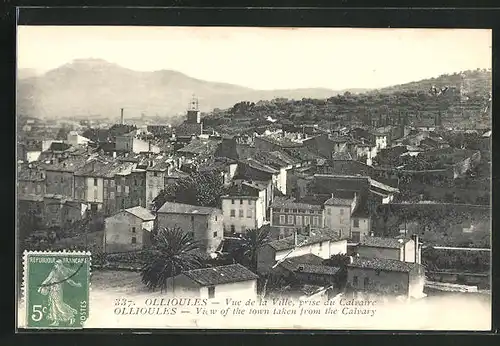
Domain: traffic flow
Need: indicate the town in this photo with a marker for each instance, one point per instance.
(246, 202)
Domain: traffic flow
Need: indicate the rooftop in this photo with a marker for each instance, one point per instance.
(221, 275)
(388, 243)
(341, 198)
(200, 147)
(383, 264)
(181, 208)
(290, 203)
(141, 213)
(316, 236)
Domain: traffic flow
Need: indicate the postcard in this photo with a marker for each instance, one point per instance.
(253, 178)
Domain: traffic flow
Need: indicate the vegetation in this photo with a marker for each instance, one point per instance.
(413, 103)
(468, 261)
(172, 252)
(252, 240)
(202, 189)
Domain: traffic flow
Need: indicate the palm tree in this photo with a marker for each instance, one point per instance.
(253, 240)
(172, 252)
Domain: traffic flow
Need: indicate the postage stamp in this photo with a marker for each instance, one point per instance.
(56, 289)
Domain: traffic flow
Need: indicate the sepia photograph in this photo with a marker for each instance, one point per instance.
(253, 178)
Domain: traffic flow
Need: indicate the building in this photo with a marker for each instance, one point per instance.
(203, 223)
(60, 176)
(30, 180)
(243, 208)
(387, 277)
(75, 139)
(220, 282)
(401, 249)
(309, 269)
(253, 170)
(128, 230)
(130, 143)
(322, 243)
(288, 215)
(156, 174)
(338, 210)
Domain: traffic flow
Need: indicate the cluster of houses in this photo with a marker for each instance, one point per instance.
(314, 190)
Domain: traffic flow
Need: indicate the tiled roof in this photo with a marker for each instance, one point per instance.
(100, 168)
(292, 263)
(260, 166)
(71, 164)
(141, 213)
(383, 264)
(303, 240)
(341, 198)
(181, 208)
(389, 243)
(303, 154)
(221, 275)
(242, 190)
(341, 156)
(200, 147)
(30, 174)
(290, 203)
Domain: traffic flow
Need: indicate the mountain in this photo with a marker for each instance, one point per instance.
(473, 81)
(87, 87)
(24, 73)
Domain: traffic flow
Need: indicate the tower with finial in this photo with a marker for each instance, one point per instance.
(193, 113)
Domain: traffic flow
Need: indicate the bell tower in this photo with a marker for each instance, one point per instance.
(193, 113)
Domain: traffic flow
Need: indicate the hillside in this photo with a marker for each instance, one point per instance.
(94, 86)
(411, 103)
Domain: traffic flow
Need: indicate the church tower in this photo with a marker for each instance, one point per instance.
(193, 113)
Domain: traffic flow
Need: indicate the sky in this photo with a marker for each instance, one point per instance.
(265, 58)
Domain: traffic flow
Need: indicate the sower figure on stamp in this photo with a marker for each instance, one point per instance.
(52, 286)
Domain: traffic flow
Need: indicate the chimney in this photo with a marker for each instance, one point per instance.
(122, 122)
(417, 245)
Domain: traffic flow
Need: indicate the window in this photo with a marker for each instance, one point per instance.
(232, 201)
(111, 195)
(233, 213)
(341, 211)
(290, 219)
(355, 237)
(307, 220)
(241, 201)
(105, 191)
(233, 230)
(215, 234)
(216, 218)
(298, 220)
(320, 246)
(105, 182)
(192, 218)
(111, 183)
(286, 211)
(241, 213)
(355, 281)
(126, 189)
(95, 181)
(191, 235)
(95, 194)
(133, 229)
(355, 223)
(315, 221)
(282, 219)
(294, 210)
(249, 202)
(366, 282)
(155, 174)
(211, 292)
(134, 240)
(118, 188)
(329, 211)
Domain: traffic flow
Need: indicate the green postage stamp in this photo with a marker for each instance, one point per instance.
(56, 289)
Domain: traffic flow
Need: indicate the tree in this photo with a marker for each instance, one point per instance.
(172, 252)
(63, 133)
(202, 189)
(252, 241)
